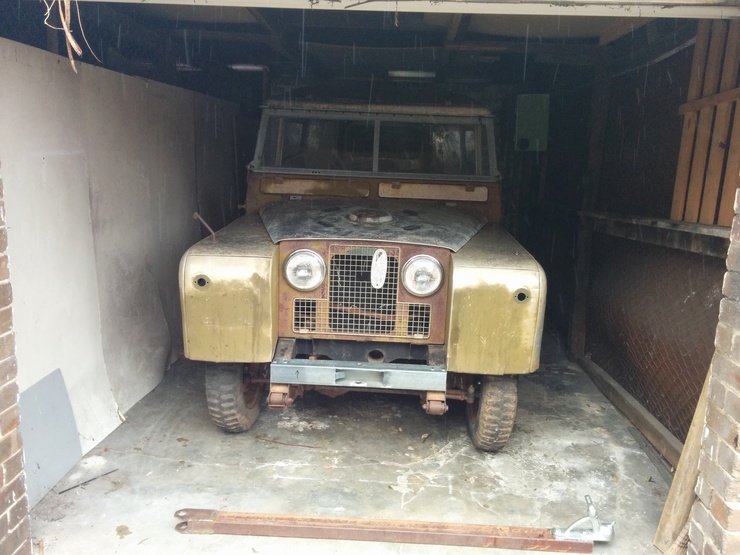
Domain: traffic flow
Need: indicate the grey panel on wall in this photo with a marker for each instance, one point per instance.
(51, 443)
(532, 121)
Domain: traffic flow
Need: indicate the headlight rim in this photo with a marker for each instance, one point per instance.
(322, 265)
(436, 262)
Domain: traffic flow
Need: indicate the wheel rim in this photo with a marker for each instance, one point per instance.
(252, 394)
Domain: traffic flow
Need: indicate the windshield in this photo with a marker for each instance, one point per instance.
(381, 144)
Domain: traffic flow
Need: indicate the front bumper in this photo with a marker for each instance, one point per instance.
(333, 373)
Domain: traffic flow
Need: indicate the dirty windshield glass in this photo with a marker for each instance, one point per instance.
(347, 145)
(447, 149)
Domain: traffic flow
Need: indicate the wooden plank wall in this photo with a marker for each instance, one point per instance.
(708, 171)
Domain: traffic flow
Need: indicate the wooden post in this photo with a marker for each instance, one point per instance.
(721, 129)
(705, 122)
(686, 150)
(681, 495)
(732, 171)
(732, 176)
(598, 115)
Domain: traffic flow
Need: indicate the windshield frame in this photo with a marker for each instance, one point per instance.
(376, 119)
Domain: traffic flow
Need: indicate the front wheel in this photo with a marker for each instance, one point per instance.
(234, 402)
(490, 418)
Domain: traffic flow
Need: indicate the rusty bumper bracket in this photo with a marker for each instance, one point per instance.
(206, 521)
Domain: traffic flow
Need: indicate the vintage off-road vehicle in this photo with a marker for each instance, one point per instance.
(370, 258)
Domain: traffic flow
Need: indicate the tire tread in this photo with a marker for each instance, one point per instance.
(226, 401)
(491, 429)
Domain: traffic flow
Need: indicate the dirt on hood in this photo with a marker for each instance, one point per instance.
(393, 222)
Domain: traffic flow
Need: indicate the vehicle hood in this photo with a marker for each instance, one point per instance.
(392, 222)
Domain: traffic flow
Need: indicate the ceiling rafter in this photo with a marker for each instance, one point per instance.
(453, 29)
(277, 37)
(696, 9)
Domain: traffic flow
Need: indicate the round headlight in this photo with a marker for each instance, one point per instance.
(305, 270)
(422, 275)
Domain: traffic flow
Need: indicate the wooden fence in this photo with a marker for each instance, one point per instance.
(708, 171)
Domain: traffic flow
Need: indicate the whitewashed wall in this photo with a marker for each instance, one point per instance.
(99, 173)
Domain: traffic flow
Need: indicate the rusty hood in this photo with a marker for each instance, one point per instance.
(393, 222)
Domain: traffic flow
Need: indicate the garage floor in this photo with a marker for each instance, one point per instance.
(354, 456)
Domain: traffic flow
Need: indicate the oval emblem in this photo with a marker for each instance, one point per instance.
(379, 269)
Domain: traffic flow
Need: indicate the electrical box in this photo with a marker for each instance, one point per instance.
(532, 118)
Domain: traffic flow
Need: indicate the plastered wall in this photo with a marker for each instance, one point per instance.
(100, 179)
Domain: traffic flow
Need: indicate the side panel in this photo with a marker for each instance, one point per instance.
(497, 307)
(229, 307)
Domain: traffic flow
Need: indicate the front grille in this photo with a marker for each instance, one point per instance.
(354, 306)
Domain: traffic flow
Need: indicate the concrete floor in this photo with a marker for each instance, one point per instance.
(355, 456)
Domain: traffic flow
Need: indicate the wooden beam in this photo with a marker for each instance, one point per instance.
(222, 36)
(681, 495)
(278, 42)
(707, 101)
(658, 435)
(697, 9)
(686, 149)
(453, 28)
(620, 28)
(721, 129)
(206, 521)
(665, 46)
(732, 176)
(450, 37)
(577, 324)
(704, 126)
(715, 231)
(708, 240)
(599, 111)
(518, 47)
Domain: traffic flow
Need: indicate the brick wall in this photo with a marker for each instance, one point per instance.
(715, 516)
(14, 522)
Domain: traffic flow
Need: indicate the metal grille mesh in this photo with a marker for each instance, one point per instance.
(354, 306)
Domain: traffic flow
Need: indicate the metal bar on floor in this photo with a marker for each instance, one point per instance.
(206, 521)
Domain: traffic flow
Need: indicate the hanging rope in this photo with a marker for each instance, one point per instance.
(65, 16)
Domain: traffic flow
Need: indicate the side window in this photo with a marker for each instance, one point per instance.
(282, 142)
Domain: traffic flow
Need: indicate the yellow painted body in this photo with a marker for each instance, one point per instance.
(230, 302)
(229, 288)
(490, 330)
(228, 294)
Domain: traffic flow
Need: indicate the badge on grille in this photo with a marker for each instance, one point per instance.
(379, 269)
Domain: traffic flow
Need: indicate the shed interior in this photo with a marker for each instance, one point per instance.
(623, 186)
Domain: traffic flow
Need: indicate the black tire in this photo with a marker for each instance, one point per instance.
(233, 402)
(490, 418)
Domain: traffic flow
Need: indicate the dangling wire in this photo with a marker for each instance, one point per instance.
(65, 16)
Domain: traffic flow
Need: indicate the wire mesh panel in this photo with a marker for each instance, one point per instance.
(652, 316)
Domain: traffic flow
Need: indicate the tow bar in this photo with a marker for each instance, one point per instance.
(206, 521)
